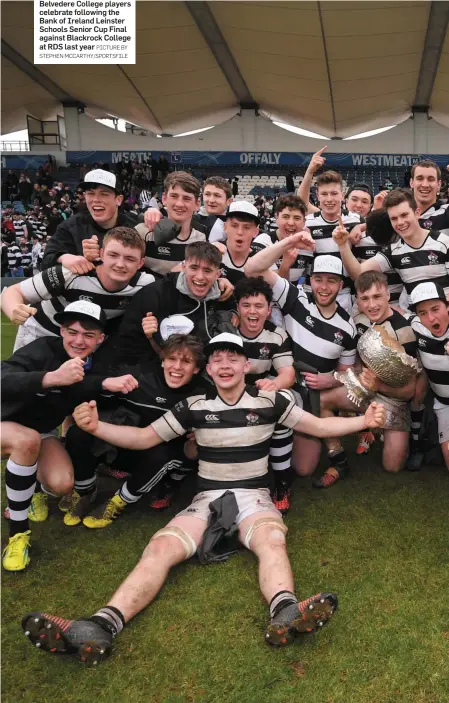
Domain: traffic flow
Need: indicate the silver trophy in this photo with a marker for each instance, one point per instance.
(383, 355)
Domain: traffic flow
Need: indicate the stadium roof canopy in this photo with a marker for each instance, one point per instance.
(336, 68)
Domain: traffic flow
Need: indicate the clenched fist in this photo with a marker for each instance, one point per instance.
(375, 416)
(77, 264)
(120, 384)
(149, 325)
(300, 240)
(86, 416)
(21, 313)
(69, 372)
(91, 248)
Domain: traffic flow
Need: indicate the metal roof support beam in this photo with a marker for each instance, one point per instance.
(328, 70)
(37, 75)
(433, 46)
(216, 42)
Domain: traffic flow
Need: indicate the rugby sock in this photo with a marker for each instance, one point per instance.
(20, 483)
(338, 460)
(280, 601)
(417, 418)
(85, 487)
(110, 619)
(281, 448)
(41, 489)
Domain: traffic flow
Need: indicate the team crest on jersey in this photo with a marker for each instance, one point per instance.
(252, 418)
(124, 303)
(360, 330)
(338, 337)
(427, 224)
(264, 352)
(300, 262)
(309, 321)
(421, 342)
(405, 260)
(433, 258)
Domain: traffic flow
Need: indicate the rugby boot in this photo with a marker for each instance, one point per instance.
(80, 508)
(308, 616)
(83, 638)
(105, 513)
(38, 511)
(16, 553)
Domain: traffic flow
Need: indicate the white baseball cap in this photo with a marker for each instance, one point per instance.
(327, 264)
(175, 324)
(100, 177)
(225, 340)
(243, 207)
(426, 291)
(81, 310)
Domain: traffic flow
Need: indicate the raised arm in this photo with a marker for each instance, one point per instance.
(259, 264)
(86, 417)
(316, 162)
(374, 417)
(15, 305)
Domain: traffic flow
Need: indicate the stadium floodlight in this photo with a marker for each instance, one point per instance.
(298, 130)
(371, 133)
(194, 131)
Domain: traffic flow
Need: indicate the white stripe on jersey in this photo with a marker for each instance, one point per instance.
(162, 259)
(270, 350)
(429, 262)
(320, 342)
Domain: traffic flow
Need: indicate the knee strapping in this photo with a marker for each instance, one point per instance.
(186, 540)
(277, 527)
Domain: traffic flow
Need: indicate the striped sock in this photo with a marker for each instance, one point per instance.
(85, 487)
(280, 601)
(416, 418)
(110, 619)
(281, 448)
(20, 484)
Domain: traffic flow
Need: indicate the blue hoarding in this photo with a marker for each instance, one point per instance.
(27, 161)
(255, 158)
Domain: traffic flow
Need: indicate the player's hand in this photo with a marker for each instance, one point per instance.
(317, 160)
(300, 240)
(235, 320)
(375, 416)
(266, 384)
(221, 247)
(91, 248)
(289, 257)
(369, 379)
(21, 313)
(340, 235)
(357, 233)
(378, 201)
(77, 264)
(318, 381)
(120, 384)
(226, 287)
(149, 325)
(86, 416)
(151, 217)
(69, 372)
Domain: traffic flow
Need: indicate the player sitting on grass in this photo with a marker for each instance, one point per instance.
(233, 425)
(373, 301)
(41, 385)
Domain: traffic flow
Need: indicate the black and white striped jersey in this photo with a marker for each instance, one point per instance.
(430, 262)
(19, 227)
(270, 351)
(321, 231)
(433, 353)
(51, 290)
(26, 259)
(436, 217)
(234, 272)
(365, 250)
(39, 229)
(320, 342)
(162, 259)
(398, 326)
(233, 440)
(14, 256)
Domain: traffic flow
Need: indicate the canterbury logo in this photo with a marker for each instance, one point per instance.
(309, 321)
(161, 400)
(86, 297)
(212, 418)
(405, 260)
(165, 251)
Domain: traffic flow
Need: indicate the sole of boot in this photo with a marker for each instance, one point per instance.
(310, 620)
(48, 636)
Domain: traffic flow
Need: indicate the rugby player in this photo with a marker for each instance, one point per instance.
(242, 239)
(323, 334)
(290, 213)
(233, 425)
(425, 182)
(103, 200)
(431, 326)
(268, 349)
(41, 384)
(374, 306)
(33, 303)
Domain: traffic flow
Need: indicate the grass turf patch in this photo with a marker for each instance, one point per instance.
(380, 541)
